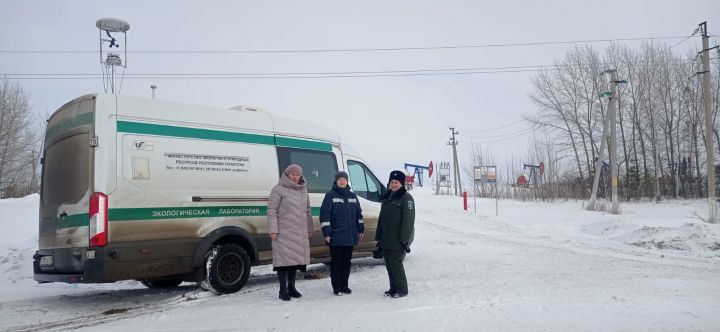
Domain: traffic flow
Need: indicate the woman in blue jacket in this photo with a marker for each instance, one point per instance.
(342, 224)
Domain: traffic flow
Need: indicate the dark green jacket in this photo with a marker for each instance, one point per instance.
(396, 223)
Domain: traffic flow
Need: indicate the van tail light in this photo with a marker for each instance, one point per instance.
(98, 220)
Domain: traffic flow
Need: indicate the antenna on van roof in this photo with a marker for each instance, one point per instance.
(112, 60)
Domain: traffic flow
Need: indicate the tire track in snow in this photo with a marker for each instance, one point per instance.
(111, 306)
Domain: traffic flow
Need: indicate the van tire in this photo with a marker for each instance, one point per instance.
(162, 283)
(227, 269)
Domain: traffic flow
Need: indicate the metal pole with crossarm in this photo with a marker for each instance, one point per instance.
(709, 123)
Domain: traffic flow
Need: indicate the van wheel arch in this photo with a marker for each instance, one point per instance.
(225, 235)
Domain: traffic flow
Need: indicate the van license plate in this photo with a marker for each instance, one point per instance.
(46, 261)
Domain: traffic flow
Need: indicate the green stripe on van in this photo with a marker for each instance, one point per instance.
(175, 131)
(74, 220)
(124, 214)
(130, 214)
(127, 214)
(63, 126)
(303, 144)
(219, 135)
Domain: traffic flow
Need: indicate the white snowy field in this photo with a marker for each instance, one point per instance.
(538, 266)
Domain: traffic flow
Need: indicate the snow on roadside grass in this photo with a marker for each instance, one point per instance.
(690, 237)
(672, 227)
(19, 220)
(18, 239)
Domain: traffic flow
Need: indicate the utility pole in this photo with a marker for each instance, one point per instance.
(709, 125)
(612, 110)
(611, 124)
(456, 168)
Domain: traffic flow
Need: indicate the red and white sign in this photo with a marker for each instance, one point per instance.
(485, 174)
(430, 169)
(491, 174)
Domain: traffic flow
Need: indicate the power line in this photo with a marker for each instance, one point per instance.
(496, 128)
(51, 77)
(350, 50)
(431, 70)
(525, 130)
(686, 38)
(303, 75)
(504, 139)
(299, 73)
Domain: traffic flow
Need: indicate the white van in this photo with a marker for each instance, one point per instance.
(162, 192)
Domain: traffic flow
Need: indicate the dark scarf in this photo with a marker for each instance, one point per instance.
(394, 195)
(344, 192)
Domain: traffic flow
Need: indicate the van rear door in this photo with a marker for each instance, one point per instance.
(67, 176)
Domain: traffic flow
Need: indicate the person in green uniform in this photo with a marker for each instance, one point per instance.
(394, 232)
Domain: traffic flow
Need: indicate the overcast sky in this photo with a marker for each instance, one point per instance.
(388, 120)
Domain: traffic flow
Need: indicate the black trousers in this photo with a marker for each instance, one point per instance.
(340, 266)
(286, 276)
(396, 270)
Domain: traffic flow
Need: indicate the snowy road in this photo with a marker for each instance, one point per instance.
(536, 267)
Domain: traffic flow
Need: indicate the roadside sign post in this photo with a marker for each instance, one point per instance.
(475, 201)
(465, 200)
(492, 177)
(496, 200)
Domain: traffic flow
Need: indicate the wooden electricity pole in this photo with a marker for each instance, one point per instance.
(456, 167)
(709, 123)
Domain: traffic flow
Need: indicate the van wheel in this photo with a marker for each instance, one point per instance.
(162, 283)
(227, 269)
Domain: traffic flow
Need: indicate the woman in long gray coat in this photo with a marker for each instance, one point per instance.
(290, 226)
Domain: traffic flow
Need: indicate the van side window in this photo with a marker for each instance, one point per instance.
(319, 167)
(364, 183)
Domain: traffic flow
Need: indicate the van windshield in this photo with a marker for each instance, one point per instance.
(66, 170)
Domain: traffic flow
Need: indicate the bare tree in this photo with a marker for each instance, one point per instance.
(659, 117)
(19, 141)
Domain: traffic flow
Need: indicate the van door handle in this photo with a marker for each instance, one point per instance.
(63, 215)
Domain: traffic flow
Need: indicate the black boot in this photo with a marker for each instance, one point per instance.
(283, 279)
(389, 292)
(291, 285)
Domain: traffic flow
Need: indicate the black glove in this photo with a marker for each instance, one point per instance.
(407, 247)
(377, 253)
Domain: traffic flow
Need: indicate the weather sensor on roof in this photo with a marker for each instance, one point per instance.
(112, 25)
(112, 60)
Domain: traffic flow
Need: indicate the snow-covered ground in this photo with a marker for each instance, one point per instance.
(538, 266)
